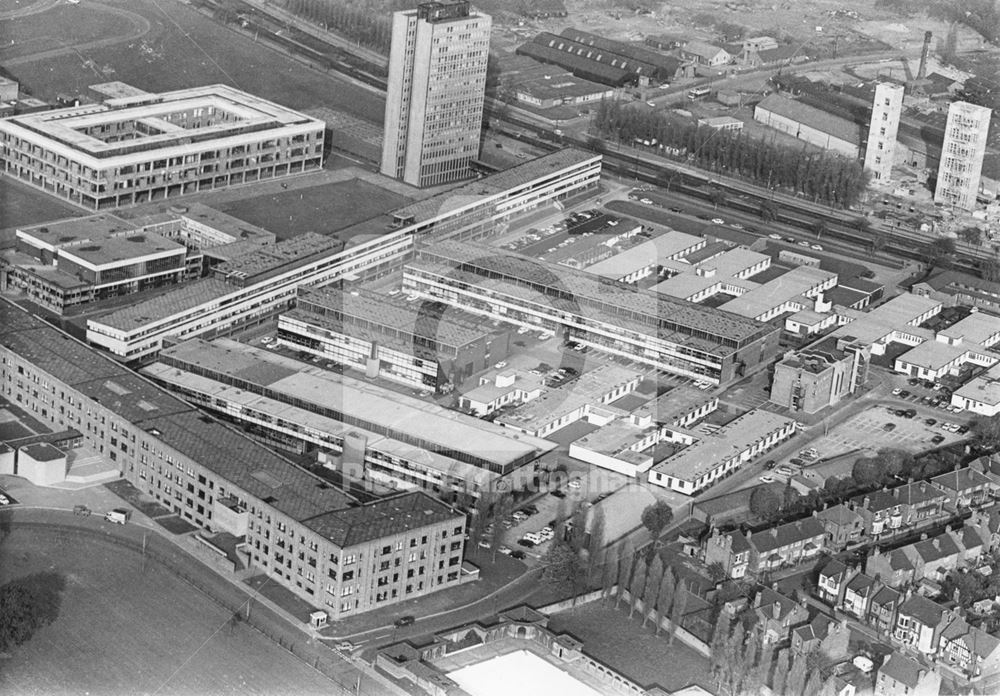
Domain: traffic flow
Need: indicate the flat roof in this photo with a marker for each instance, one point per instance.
(262, 262)
(588, 388)
(238, 229)
(616, 438)
(674, 404)
(382, 518)
(667, 245)
(985, 388)
(379, 314)
(778, 291)
(580, 287)
(66, 130)
(168, 419)
(43, 452)
(838, 127)
(978, 327)
(933, 354)
(897, 313)
(176, 300)
(116, 89)
(730, 440)
(495, 184)
(78, 231)
(399, 415)
(315, 422)
(114, 250)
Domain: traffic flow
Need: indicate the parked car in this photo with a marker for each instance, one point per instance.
(718, 221)
(404, 621)
(557, 493)
(525, 543)
(816, 247)
(675, 209)
(518, 554)
(889, 427)
(767, 478)
(937, 439)
(931, 421)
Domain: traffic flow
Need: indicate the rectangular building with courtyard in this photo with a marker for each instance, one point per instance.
(140, 148)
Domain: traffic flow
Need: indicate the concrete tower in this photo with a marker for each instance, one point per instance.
(962, 155)
(881, 149)
(437, 83)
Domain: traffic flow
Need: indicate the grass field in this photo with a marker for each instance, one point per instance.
(625, 646)
(124, 631)
(21, 205)
(65, 25)
(324, 209)
(183, 48)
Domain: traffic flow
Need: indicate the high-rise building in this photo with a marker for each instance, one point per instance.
(437, 82)
(962, 154)
(882, 129)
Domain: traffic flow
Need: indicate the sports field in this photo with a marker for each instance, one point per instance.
(182, 48)
(125, 631)
(325, 209)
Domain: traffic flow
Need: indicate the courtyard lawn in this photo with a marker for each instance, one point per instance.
(121, 630)
(325, 209)
(623, 645)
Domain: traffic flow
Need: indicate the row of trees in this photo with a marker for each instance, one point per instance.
(368, 25)
(824, 177)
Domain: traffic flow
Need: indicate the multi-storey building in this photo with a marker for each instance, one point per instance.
(149, 147)
(69, 262)
(250, 289)
(414, 343)
(670, 334)
(319, 542)
(903, 676)
(962, 154)
(881, 148)
(820, 375)
(360, 429)
(434, 100)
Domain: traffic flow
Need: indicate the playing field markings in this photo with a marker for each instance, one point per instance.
(197, 45)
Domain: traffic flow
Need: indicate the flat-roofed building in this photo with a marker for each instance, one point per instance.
(642, 260)
(820, 375)
(547, 87)
(320, 543)
(411, 342)
(211, 305)
(247, 384)
(436, 89)
(962, 152)
(981, 394)
(712, 457)
(794, 291)
(810, 124)
(673, 335)
(715, 269)
(69, 262)
(136, 149)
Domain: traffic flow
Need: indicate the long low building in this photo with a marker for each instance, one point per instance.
(202, 371)
(810, 124)
(146, 147)
(315, 540)
(714, 456)
(668, 334)
(212, 305)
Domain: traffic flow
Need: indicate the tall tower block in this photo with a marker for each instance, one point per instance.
(962, 155)
(434, 101)
(881, 149)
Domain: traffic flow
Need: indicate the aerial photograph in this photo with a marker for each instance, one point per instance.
(500, 348)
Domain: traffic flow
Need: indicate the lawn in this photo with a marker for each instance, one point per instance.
(21, 205)
(326, 208)
(64, 25)
(184, 48)
(122, 630)
(623, 645)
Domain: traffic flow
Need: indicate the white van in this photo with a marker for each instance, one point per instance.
(118, 515)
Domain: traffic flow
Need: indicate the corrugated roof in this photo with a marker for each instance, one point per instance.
(815, 118)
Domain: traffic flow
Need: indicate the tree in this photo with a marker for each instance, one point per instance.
(751, 680)
(718, 197)
(819, 227)
(563, 566)
(637, 585)
(764, 503)
(940, 252)
(609, 574)
(501, 510)
(733, 668)
(986, 430)
(878, 241)
(665, 597)
(716, 648)
(866, 472)
(656, 517)
(578, 528)
(677, 610)
(989, 269)
(595, 540)
(814, 684)
(27, 604)
(797, 676)
(768, 210)
(780, 672)
(717, 572)
(654, 577)
(625, 561)
(971, 235)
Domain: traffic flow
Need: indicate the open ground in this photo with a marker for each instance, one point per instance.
(325, 209)
(125, 631)
(611, 637)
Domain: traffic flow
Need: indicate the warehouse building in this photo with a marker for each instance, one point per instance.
(809, 124)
